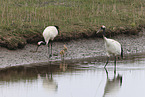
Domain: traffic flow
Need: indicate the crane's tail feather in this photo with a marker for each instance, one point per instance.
(121, 52)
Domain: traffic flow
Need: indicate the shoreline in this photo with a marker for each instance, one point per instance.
(77, 50)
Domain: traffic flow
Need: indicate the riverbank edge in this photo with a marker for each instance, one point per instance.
(19, 42)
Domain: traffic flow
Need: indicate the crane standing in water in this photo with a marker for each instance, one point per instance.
(49, 34)
(113, 47)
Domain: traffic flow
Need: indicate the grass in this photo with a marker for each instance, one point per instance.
(25, 20)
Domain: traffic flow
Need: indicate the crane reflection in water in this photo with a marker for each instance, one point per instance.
(112, 86)
(49, 83)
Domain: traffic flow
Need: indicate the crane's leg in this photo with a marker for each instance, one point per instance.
(114, 72)
(50, 54)
(106, 72)
(114, 65)
(106, 62)
(115, 61)
(51, 48)
(48, 49)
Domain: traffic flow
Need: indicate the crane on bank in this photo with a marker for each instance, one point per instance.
(49, 34)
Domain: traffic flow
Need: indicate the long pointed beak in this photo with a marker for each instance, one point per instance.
(98, 31)
(37, 48)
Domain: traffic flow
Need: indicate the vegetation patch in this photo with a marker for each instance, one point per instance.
(23, 21)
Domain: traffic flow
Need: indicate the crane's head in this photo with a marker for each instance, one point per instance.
(102, 28)
(39, 44)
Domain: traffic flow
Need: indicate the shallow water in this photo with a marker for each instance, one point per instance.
(87, 78)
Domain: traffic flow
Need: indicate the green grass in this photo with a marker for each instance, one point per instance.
(28, 18)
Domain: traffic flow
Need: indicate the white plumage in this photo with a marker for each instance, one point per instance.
(49, 34)
(113, 47)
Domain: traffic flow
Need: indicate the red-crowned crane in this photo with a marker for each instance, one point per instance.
(113, 47)
(49, 34)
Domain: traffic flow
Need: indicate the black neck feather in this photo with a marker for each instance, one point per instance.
(103, 32)
(43, 43)
(57, 28)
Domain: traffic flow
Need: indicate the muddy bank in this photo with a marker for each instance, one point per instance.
(77, 49)
(13, 41)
